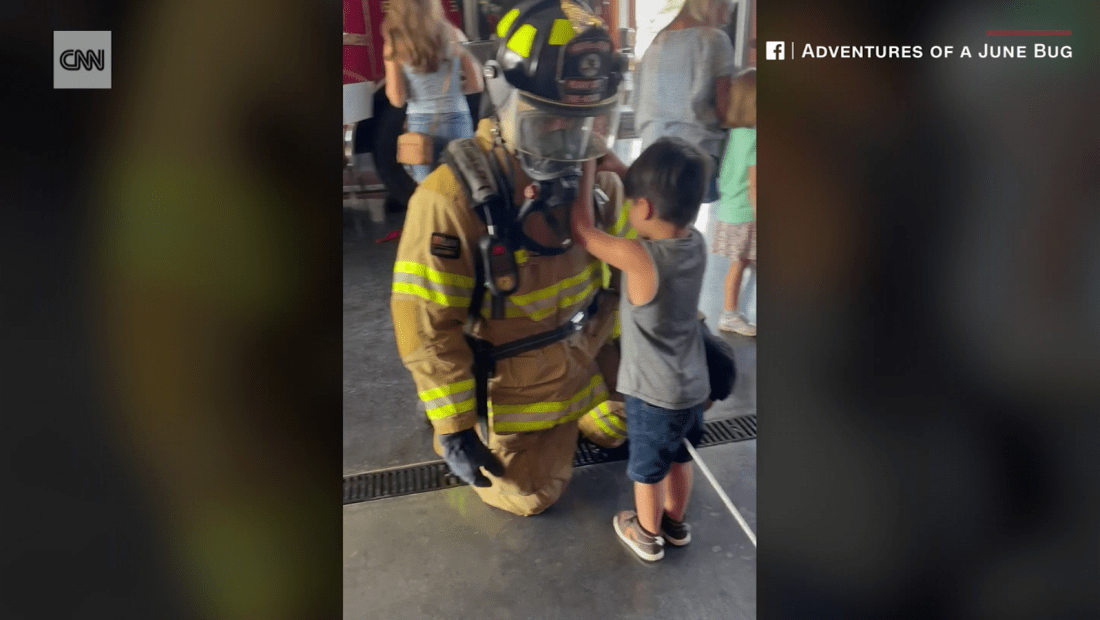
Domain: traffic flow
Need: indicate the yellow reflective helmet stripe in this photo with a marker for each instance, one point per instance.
(522, 40)
(506, 22)
(561, 33)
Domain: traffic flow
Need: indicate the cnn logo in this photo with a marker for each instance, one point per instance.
(82, 59)
(75, 60)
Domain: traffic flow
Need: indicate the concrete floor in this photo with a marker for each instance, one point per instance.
(382, 427)
(445, 554)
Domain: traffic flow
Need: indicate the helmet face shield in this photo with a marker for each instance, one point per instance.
(546, 130)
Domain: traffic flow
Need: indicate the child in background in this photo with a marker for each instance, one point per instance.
(663, 373)
(428, 70)
(735, 221)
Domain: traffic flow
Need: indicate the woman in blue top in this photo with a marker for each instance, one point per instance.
(427, 68)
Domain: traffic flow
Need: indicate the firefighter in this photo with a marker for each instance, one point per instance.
(495, 310)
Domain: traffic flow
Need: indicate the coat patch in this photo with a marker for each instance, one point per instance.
(446, 246)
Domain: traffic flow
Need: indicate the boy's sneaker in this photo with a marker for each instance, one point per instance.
(731, 322)
(675, 532)
(647, 547)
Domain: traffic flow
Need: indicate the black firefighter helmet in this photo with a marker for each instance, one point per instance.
(555, 77)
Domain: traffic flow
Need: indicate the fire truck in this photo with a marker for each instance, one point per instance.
(375, 134)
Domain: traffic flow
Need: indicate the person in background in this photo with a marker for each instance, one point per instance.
(672, 101)
(735, 221)
(427, 68)
(663, 372)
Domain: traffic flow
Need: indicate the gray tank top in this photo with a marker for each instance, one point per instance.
(425, 94)
(663, 360)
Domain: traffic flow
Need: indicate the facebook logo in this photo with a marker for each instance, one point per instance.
(82, 59)
(773, 50)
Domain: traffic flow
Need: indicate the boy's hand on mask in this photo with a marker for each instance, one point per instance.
(610, 162)
(582, 206)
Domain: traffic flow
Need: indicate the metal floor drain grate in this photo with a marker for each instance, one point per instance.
(434, 476)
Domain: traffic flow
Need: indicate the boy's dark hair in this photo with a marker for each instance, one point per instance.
(672, 174)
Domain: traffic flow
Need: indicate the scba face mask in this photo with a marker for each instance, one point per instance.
(547, 131)
(551, 142)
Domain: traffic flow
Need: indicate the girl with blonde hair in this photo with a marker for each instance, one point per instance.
(735, 220)
(682, 81)
(427, 68)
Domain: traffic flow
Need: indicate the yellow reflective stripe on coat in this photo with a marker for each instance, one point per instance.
(557, 287)
(447, 390)
(616, 420)
(563, 295)
(447, 411)
(514, 423)
(448, 395)
(448, 400)
(445, 289)
(438, 277)
(430, 295)
(540, 415)
(620, 224)
(542, 309)
(604, 411)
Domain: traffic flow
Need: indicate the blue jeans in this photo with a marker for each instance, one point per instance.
(657, 438)
(448, 126)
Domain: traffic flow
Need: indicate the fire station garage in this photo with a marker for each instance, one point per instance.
(418, 541)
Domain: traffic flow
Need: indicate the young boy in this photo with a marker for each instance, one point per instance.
(663, 374)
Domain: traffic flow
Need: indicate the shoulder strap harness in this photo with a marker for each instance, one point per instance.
(490, 194)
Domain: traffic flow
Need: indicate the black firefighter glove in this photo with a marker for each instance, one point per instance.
(466, 455)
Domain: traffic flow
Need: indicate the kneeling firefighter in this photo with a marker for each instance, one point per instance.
(498, 315)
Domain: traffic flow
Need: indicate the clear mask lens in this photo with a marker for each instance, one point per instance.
(562, 133)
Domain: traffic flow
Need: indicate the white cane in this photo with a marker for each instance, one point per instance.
(721, 493)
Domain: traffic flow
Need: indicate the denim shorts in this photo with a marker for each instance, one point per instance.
(657, 438)
(448, 126)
